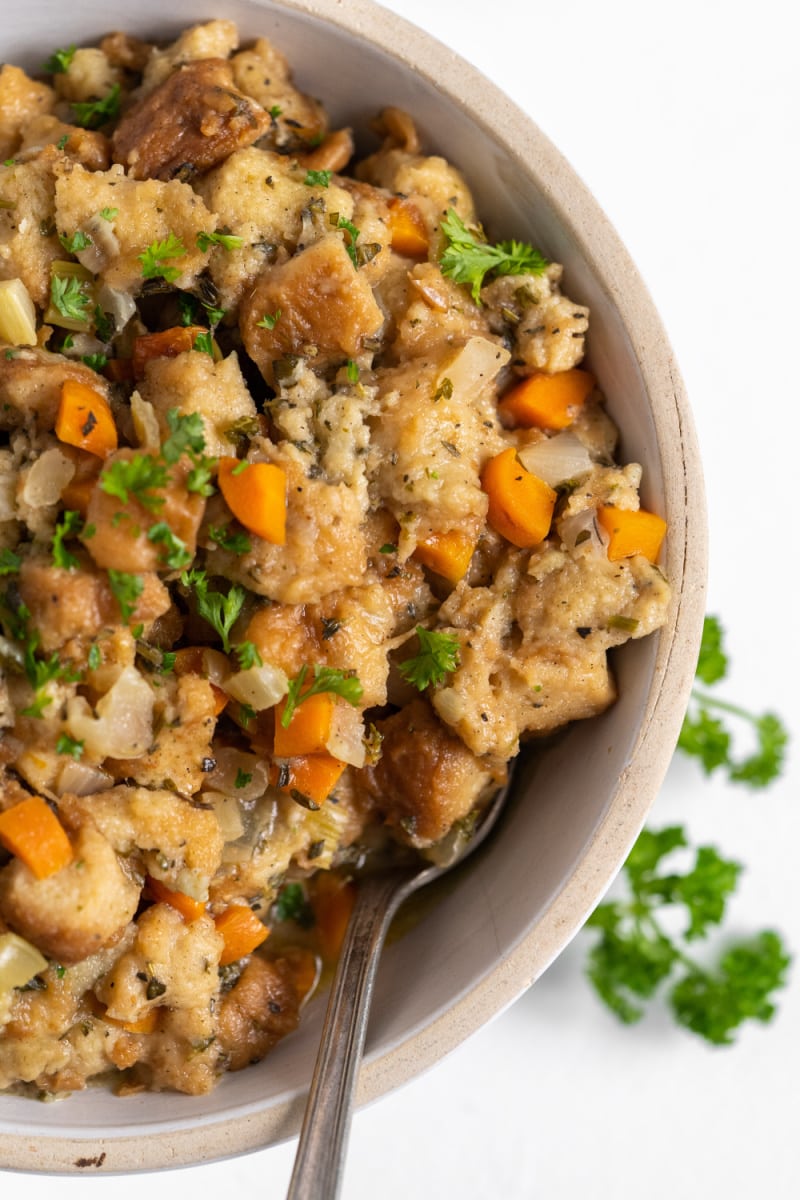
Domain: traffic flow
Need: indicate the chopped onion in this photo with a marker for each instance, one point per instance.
(123, 726)
(346, 739)
(119, 305)
(473, 367)
(83, 779)
(47, 478)
(238, 773)
(19, 962)
(581, 530)
(104, 245)
(17, 314)
(228, 814)
(260, 687)
(556, 459)
(145, 423)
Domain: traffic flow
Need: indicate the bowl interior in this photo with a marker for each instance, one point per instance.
(578, 806)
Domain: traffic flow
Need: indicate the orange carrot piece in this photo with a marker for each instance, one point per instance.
(256, 495)
(145, 1024)
(309, 729)
(169, 343)
(241, 932)
(520, 504)
(407, 228)
(448, 554)
(632, 532)
(332, 900)
(314, 775)
(189, 908)
(547, 401)
(33, 832)
(84, 419)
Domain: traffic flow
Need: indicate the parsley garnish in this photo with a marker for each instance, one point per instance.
(438, 656)
(269, 320)
(69, 526)
(352, 371)
(74, 242)
(326, 679)
(231, 539)
(636, 954)
(95, 361)
(91, 114)
(704, 735)
(10, 562)
(69, 745)
(156, 255)
(204, 343)
(219, 610)
(318, 178)
(59, 61)
(468, 257)
(70, 297)
(104, 324)
(242, 778)
(127, 589)
(293, 905)
(275, 111)
(186, 435)
(94, 658)
(247, 656)
(228, 241)
(141, 477)
(175, 554)
(340, 222)
(62, 141)
(108, 214)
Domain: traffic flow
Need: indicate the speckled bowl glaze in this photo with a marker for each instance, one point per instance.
(579, 806)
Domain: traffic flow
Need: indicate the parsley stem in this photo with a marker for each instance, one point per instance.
(724, 705)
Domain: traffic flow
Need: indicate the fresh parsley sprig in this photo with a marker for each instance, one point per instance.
(704, 735)
(155, 258)
(438, 656)
(468, 258)
(70, 296)
(326, 679)
(220, 610)
(92, 114)
(69, 526)
(636, 955)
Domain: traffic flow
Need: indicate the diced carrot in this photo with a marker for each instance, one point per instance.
(407, 228)
(332, 900)
(241, 932)
(192, 660)
(84, 419)
(448, 554)
(189, 908)
(256, 495)
(33, 832)
(169, 343)
(145, 1024)
(547, 401)
(520, 504)
(77, 494)
(632, 532)
(314, 775)
(309, 729)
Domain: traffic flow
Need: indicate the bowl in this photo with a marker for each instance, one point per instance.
(579, 805)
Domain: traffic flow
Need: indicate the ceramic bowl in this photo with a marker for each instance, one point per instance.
(579, 806)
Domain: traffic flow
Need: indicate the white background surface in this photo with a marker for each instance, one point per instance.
(682, 119)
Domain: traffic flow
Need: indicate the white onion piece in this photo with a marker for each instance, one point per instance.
(228, 814)
(119, 305)
(145, 423)
(473, 367)
(84, 343)
(233, 765)
(346, 739)
(104, 246)
(19, 962)
(82, 779)
(260, 687)
(47, 478)
(556, 459)
(581, 531)
(123, 726)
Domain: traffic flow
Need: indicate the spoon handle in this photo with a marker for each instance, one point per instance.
(319, 1161)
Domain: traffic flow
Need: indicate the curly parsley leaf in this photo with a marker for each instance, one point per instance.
(292, 904)
(635, 954)
(70, 296)
(269, 320)
(231, 539)
(317, 178)
(220, 610)
(468, 258)
(228, 241)
(438, 656)
(126, 589)
(156, 256)
(69, 526)
(142, 477)
(69, 745)
(175, 553)
(10, 562)
(326, 679)
(704, 734)
(59, 61)
(186, 435)
(74, 242)
(247, 656)
(91, 114)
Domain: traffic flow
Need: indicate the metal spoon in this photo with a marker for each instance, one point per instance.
(319, 1161)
